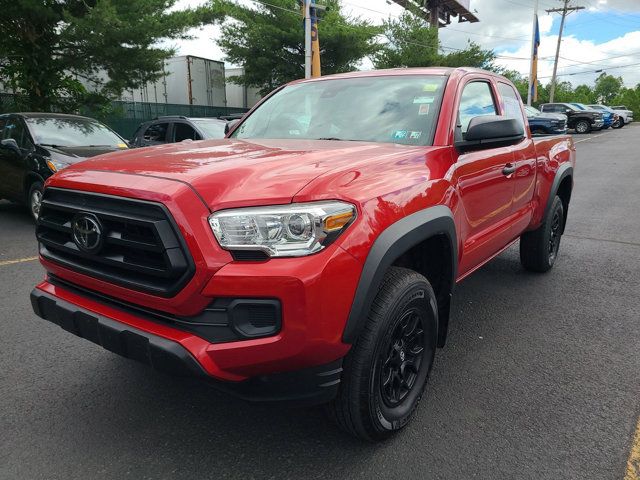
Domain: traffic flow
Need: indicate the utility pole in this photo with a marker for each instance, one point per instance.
(534, 39)
(565, 10)
(307, 38)
(434, 13)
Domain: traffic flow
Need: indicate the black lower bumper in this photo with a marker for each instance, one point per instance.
(302, 387)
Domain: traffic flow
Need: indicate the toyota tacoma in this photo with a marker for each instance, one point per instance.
(311, 256)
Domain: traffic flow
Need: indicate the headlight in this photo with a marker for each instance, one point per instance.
(55, 165)
(282, 231)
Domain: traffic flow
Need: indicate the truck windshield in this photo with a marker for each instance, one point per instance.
(387, 109)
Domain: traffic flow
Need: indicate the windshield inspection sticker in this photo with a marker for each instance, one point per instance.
(423, 109)
(430, 87)
(425, 99)
(415, 135)
(400, 134)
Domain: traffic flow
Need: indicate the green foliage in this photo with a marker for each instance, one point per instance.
(630, 98)
(268, 40)
(607, 88)
(410, 42)
(584, 94)
(52, 49)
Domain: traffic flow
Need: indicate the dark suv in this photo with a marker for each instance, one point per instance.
(582, 121)
(172, 129)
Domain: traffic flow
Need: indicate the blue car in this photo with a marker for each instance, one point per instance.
(607, 117)
(545, 123)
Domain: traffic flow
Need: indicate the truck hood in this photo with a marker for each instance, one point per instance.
(232, 172)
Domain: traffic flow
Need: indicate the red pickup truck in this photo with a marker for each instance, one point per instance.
(312, 255)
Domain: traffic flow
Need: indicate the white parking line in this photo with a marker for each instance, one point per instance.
(590, 138)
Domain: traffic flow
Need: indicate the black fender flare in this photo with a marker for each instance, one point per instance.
(564, 170)
(389, 246)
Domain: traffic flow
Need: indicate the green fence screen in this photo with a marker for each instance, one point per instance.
(124, 117)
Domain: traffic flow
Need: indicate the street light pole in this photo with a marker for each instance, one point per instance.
(307, 38)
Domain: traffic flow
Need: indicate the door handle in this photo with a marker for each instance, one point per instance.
(508, 169)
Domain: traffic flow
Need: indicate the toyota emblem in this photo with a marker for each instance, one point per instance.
(87, 232)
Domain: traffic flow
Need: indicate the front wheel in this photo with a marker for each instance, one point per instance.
(619, 123)
(34, 199)
(583, 126)
(386, 371)
(539, 248)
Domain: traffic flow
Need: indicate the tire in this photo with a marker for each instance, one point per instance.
(583, 126)
(539, 248)
(618, 123)
(379, 393)
(34, 197)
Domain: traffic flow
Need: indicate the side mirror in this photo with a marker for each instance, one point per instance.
(490, 131)
(230, 125)
(10, 144)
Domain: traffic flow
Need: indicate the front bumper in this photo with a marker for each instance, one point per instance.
(308, 386)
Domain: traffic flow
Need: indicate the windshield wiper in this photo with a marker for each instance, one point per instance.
(339, 139)
(52, 145)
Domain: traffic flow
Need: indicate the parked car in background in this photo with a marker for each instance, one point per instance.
(173, 129)
(625, 114)
(617, 121)
(607, 117)
(582, 121)
(33, 146)
(545, 123)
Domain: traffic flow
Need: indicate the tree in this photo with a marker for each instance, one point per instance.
(268, 41)
(607, 88)
(584, 94)
(412, 43)
(53, 49)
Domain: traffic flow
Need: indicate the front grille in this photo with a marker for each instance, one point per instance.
(141, 247)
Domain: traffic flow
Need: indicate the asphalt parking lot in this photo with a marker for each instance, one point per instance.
(540, 378)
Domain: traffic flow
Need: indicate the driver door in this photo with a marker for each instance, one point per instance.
(12, 163)
(484, 182)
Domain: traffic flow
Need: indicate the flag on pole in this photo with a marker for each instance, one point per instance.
(534, 62)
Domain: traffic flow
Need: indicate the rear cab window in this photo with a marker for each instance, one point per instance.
(511, 103)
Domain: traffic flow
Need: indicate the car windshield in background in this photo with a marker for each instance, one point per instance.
(387, 109)
(71, 132)
(532, 111)
(211, 128)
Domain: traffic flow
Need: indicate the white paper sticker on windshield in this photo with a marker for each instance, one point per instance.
(423, 109)
(424, 99)
(415, 135)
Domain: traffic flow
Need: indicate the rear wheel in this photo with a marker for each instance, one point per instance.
(386, 371)
(583, 126)
(539, 248)
(34, 199)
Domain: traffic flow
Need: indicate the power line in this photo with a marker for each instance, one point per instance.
(594, 71)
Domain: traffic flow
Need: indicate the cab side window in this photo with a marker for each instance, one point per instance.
(16, 129)
(155, 134)
(511, 102)
(182, 131)
(476, 101)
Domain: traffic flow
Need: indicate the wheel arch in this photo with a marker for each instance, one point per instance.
(562, 186)
(29, 179)
(431, 230)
